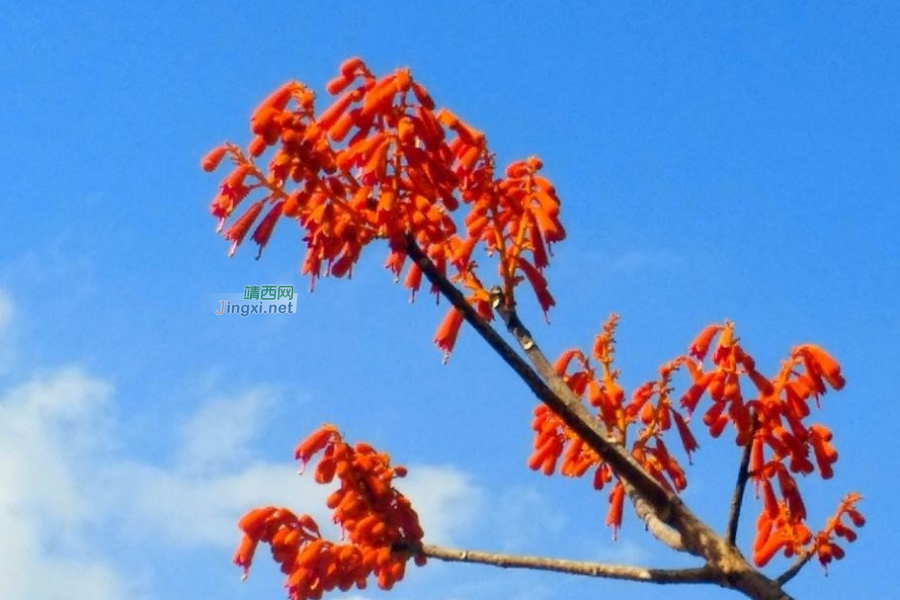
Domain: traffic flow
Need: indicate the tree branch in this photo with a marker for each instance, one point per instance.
(645, 510)
(572, 567)
(724, 563)
(652, 522)
(737, 499)
(794, 569)
(553, 392)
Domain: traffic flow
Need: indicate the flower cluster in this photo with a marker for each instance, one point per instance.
(783, 532)
(378, 523)
(650, 406)
(768, 416)
(382, 163)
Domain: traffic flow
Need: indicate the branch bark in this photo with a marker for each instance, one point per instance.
(572, 567)
(794, 569)
(737, 499)
(652, 522)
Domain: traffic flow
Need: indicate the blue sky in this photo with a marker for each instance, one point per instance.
(714, 162)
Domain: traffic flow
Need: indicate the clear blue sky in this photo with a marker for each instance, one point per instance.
(713, 161)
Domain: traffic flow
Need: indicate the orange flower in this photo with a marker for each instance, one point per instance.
(338, 84)
(826, 455)
(238, 231)
(823, 364)
(616, 502)
(445, 338)
(700, 345)
(374, 516)
(687, 438)
(264, 230)
(423, 96)
(401, 175)
(538, 283)
(337, 109)
(212, 160)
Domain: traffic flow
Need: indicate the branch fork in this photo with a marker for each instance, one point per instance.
(664, 514)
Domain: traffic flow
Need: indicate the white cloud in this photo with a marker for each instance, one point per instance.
(219, 433)
(68, 492)
(445, 499)
(191, 510)
(7, 334)
(624, 551)
(63, 480)
(203, 511)
(196, 501)
(524, 517)
(44, 505)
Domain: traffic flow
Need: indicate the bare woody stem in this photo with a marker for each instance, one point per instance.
(737, 499)
(794, 569)
(571, 567)
(664, 533)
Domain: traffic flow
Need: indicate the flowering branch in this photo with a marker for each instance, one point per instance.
(545, 384)
(646, 511)
(383, 164)
(727, 567)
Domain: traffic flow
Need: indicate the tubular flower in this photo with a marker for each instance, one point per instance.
(700, 345)
(772, 422)
(824, 546)
(381, 528)
(445, 338)
(382, 163)
(649, 410)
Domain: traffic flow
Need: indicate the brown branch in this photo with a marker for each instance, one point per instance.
(572, 567)
(652, 522)
(553, 392)
(794, 568)
(645, 511)
(737, 499)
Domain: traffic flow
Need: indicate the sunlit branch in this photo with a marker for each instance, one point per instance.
(727, 567)
(658, 529)
(550, 389)
(572, 567)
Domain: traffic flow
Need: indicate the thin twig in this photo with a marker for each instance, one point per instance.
(794, 568)
(572, 567)
(737, 499)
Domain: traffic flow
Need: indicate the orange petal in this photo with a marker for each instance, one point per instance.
(700, 345)
(213, 158)
(445, 338)
(238, 231)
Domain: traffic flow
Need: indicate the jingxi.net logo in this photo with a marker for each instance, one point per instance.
(260, 300)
